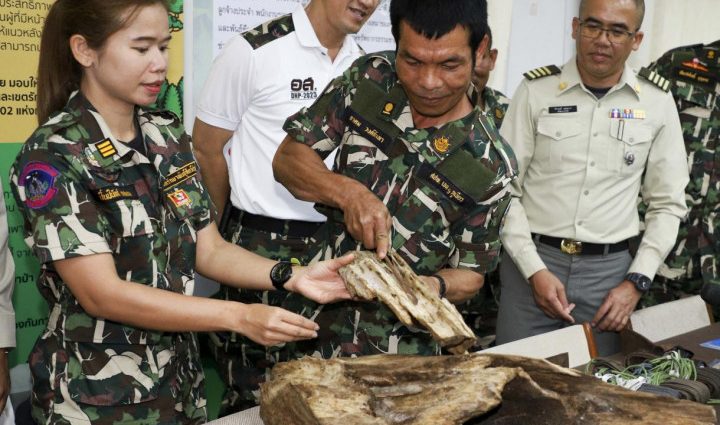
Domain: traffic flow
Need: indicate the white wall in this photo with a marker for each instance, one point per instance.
(532, 33)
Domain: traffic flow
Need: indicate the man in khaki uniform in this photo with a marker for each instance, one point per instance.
(589, 137)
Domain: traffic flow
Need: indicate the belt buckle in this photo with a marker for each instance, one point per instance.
(571, 246)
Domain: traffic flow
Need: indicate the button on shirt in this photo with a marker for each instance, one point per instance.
(257, 81)
(581, 162)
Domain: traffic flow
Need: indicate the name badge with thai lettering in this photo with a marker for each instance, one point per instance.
(180, 176)
(370, 132)
(116, 193)
(432, 176)
(696, 77)
(562, 109)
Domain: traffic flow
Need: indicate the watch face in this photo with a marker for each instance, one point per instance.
(642, 282)
(281, 273)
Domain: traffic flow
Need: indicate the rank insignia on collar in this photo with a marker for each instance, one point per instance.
(388, 108)
(180, 198)
(441, 144)
(711, 54)
(499, 113)
(106, 148)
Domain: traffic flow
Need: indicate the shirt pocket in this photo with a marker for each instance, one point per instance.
(124, 203)
(631, 145)
(359, 156)
(555, 139)
(421, 230)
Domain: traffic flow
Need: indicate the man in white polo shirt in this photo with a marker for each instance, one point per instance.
(259, 79)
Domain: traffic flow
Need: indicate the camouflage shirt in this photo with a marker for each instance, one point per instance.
(496, 105)
(81, 192)
(695, 73)
(446, 188)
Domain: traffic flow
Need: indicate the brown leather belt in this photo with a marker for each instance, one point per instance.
(573, 247)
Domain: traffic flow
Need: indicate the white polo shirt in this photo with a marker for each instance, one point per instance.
(260, 78)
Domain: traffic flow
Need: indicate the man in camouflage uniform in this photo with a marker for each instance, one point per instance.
(420, 169)
(691, 267)
(480, 312)
(82, 192)
(260, 78)
(492, 102)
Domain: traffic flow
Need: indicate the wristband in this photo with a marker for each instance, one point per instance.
(443, 285)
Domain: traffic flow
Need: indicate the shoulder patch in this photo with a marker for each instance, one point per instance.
(656, 79)
(38, 182)
(543, 71)
(269, 31)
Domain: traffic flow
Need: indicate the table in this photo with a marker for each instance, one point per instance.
(692, 340)
(246, 417)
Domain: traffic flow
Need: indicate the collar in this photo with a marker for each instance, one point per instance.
(308, 38)
(570, 78)
(102, 148)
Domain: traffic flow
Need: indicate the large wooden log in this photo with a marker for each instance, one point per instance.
(453, 390)
(395, 284)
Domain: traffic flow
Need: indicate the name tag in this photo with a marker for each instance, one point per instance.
(116, 193)
(183, 174)
(562, 109)
(432, 176)
(693, 76)
(356, 122)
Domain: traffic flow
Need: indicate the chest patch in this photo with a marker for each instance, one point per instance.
(180, 198)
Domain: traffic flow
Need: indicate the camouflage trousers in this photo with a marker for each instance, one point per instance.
(480, 312)
(154, 384)
(242, 363)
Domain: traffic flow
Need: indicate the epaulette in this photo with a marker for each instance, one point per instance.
(269, 31)
(656, 79)
(59, 120)
(543, 71)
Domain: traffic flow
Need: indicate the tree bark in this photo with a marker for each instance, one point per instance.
(462, 389)
(395, 284)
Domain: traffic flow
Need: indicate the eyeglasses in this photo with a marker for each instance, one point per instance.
(614, 35)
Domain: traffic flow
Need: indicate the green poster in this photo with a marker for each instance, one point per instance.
(30, 308)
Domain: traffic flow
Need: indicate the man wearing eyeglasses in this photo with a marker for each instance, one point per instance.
(589, 138)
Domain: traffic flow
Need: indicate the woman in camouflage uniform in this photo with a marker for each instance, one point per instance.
(116, 211)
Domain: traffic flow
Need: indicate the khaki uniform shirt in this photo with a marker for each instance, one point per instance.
(581, 166)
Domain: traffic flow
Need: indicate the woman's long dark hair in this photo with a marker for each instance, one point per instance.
(59, 73)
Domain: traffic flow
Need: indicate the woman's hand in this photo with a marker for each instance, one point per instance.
(321, 281)
(269, 325)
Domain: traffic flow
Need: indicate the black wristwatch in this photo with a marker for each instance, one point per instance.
(642, 282)
(280, 274)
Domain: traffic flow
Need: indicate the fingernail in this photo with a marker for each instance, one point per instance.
(315, 334)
